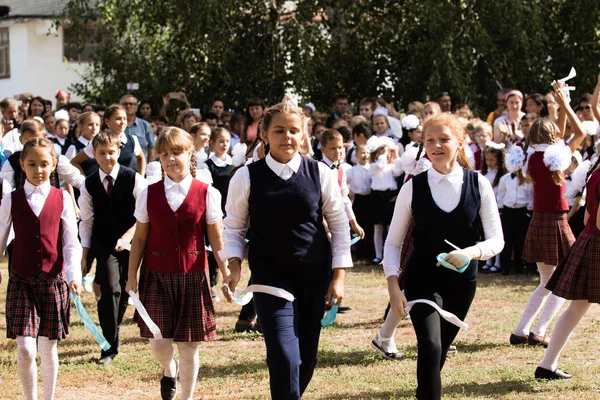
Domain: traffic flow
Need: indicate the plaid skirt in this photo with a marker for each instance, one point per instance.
(179, 304)
(37, 306)
(548, 239)
(577, 277)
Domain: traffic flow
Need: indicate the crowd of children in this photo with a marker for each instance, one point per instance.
(171, 205)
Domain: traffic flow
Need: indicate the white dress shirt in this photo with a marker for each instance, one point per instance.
(446, 193)
(66, 172)
(12, 141)
(36, 198)
(137, 149)
(86, 205)
(221, 163)
(176, 194)
(490, 176)
(72, 150)
(511, 195)
(343, 186)
(237, 221)
(359, 179)
(384, 174)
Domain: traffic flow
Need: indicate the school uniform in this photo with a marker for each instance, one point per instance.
(576, 220)
(359, 182)
(89, 166)
(516, 203)
(173, 281)
(577, 277)
(46, 257)
(477, 156)
(107, 204)
(549, 236)
(13, 174)
(284, 205)
(61, 145)
(383, 189)
(339, 174)
(458, 207)
(130, 148)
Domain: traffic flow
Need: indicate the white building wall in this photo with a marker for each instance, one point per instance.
(36, 60)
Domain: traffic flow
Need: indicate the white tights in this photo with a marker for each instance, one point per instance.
(26, 364)
(387, 331)
(189, 363)
(535, 304)
(378, 240)
(562, 331)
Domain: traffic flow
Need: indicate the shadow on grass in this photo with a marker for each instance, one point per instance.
(331, 358)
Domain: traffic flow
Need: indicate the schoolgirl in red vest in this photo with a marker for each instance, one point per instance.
(549, 236)
(173, 215)
(46, 259)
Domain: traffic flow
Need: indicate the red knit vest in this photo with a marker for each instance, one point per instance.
(547, 196)
(176, 239)
(38, 243)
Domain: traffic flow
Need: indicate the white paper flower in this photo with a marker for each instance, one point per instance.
(557, 157)
(238, 154)
(410, 122)
(61, 114)
(153, 172)
(589, 127)
(514, 159)
(422, 165)
(408, 160)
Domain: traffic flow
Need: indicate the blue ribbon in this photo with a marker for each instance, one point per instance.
(329, 318)
(89, 324)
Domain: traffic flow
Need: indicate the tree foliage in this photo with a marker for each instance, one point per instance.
(412, 49)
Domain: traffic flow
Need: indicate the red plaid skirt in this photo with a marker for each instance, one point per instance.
(549, 238)
(179, 304)
(577, 277)
(37, 306)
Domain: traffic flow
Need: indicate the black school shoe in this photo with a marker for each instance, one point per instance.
(341, 308)
(543, 373)
(168, 386)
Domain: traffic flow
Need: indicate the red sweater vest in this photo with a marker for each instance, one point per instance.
(176, 239)
(38, 243)
(547, 196)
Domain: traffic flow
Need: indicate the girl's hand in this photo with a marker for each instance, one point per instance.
(560, 95)
(398, 301)
(131, 284)
(392, 155)
(97, 291)
(231, 281)
(356, 228)
(76, 287)
(335, 293)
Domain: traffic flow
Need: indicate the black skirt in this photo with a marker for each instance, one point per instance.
(382, 206)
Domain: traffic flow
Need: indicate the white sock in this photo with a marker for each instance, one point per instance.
(27, 366)
(562, 331)
(189, 364)
(536, 301)
(49, 361)
(378, 240)
(164, 352)
(551, 308)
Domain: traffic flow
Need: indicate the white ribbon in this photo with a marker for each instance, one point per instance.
(243, 297)
(125, 245)
(572, 74)
(448, 316)
(144, 314)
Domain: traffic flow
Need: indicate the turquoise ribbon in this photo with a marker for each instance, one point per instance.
(329, 318)
(89, 324)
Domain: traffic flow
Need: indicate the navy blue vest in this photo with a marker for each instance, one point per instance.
(63, 147)
(127, 149)
(461, 226)
(20, 177)
(286, 220)
(221, 177)
(90, 165)
(112, 217)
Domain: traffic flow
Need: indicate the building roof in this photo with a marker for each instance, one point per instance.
(33, 8)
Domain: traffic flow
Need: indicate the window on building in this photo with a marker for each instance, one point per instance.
(4, 54)
(71, 52)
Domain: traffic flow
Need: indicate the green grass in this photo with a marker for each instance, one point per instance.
(233, 367)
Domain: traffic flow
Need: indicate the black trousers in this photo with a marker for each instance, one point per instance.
(213, 268)
(111, 275)
(291, 329)
(515, 223)
(434, 334)
(248, 312)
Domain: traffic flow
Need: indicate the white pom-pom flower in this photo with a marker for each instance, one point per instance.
(61, 114)
(410, 122)
(494, 145)
(589, 127)
(578, 180)
(153, 172)
(238, 154)
(422, 165)
(408, 160)
(557, 157)
(514, 159)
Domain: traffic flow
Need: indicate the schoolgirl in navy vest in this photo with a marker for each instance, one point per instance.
(173, 215)
(446, 202)
(576, 279)
(220, 166)
(61, 132)
(283, 199)
(107, 204)
(37, 300)
(115, 120)
(549, 236)
(89, 126)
